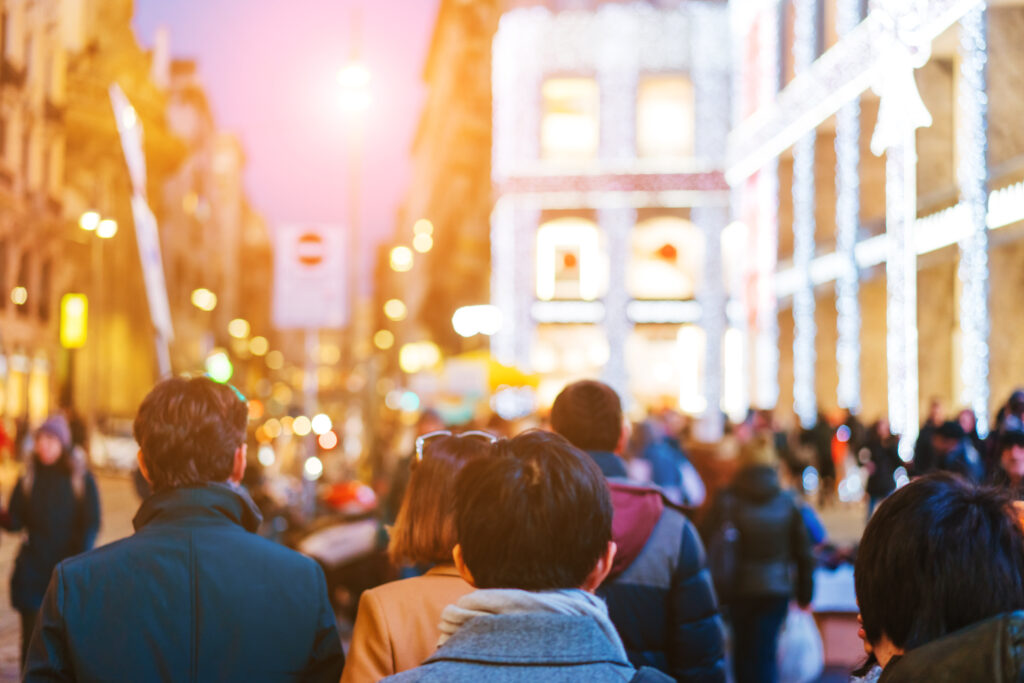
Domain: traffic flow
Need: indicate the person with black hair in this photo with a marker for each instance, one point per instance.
(953, 452)
(56, 505)
(195, 593)
(534, 529)
(939, 578)
(659, 591)
(1008, 470)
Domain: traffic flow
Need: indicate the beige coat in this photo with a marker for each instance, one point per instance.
(396, 626)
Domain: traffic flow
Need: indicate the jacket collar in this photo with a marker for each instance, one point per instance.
(611, 465)
(529, 639)
(443, 570)
(212, 502)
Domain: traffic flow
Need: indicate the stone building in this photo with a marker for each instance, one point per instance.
(610, 121)
(876, 167)
(33, 271)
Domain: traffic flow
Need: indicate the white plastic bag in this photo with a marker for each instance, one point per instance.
(801, 656)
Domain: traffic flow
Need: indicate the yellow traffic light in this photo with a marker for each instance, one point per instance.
(74, 320)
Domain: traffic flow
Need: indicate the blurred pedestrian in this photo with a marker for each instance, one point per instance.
(534, 525)
(953, 452)
(1009, 469)
(924, 452)
(774, 562)
(396, 626)
(669, 468)
(194, 594)
(939, 575)
(56, 504)
(882, 463)
(659, 592)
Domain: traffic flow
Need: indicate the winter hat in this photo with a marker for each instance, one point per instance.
(57, 425)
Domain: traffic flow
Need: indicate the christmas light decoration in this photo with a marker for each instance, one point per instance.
(972, 175)
(847, 145)
(616, 224)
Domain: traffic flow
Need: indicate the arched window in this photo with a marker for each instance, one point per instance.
(571, 263)
(666, 259)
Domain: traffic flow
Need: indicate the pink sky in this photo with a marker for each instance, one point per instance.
(269, 68)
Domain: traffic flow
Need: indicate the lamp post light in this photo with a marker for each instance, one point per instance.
(104, 228)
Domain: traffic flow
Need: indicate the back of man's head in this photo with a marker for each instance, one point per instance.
(188, 431)
(589, 414)
(537, 515)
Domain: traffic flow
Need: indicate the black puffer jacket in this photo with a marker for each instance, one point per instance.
(775, 550)
(991, 651)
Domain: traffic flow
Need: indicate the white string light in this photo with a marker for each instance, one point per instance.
(712, 297)
(972, 175)
(847, 145)
(616, 225)
(805, 401)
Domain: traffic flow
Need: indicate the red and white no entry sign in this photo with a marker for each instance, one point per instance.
(310, 250)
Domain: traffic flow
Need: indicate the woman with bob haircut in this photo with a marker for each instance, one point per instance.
(397, 623)
(940, 579)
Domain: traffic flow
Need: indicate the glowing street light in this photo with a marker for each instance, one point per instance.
(423, 227)
(395, 309)
(204, 299)
(423, 243)
(472, 320)
(90, 220)
(19, 295)
(384, 339)
(106, 228)
(401, 259)
(354, 80)
(239, 328)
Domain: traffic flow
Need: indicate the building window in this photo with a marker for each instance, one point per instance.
(571, 262)
(665, 117)
(665, 261)
(569, 127)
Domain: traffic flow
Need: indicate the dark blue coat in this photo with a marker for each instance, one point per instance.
(193, 595)
(57, 523)
(663, 603)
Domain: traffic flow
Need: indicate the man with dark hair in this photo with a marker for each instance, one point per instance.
(194, 594)
(939, 575)
(534, 525)
(659, 591)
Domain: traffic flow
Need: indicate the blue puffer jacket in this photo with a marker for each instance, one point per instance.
(660, 595)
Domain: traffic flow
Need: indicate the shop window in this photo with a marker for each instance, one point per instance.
(571, 263)
(665, 117)
(569, 127)
(666, 259)
(562, 353)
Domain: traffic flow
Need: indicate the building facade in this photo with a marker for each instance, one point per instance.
(876, 171)
(610, 122)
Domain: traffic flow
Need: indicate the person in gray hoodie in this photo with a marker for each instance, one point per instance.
(534, 530)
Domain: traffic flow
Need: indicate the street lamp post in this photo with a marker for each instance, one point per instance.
(104, 229)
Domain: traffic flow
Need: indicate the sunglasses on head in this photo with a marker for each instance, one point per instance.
(422, 440)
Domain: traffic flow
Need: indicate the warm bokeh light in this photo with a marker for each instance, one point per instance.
(313, 469)
(302, 426)
(239, 328)
(258, 346)
(275, 360)
(89, 220)
(266, 455)
(329, 354)
(107, 228)
(204, 299)
(384, 339)
(419, 356)
(423, 227)
(321, 424)
(19, 295)
(395, 309)
(328, 440)
(401, 259)
(472, 320)
(74, 320)
(287, 425)
(423, 243)
(272, 428)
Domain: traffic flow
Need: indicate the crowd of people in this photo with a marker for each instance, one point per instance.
(585, 549)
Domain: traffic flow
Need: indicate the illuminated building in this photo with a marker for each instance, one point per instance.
(876, 157)
(609, 126)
